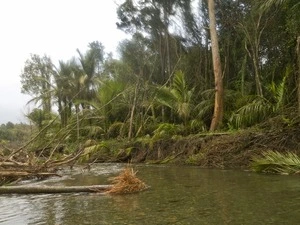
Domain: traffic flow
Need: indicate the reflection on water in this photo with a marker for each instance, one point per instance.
(178, 195)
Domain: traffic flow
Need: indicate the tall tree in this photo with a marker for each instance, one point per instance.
(36, 80)
(177, 97)
(90, 63)
(136, 53)
(253, 28)
(153, 18)
(67, 80)
(219, 89)
(293, 28)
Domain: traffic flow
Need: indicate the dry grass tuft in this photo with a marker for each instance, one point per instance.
(126, 182)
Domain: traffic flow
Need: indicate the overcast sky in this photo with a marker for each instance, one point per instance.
(53, 27)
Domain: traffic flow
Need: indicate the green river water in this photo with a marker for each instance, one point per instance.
(178, 195)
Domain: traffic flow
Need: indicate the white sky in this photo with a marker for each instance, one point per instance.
(53, 27)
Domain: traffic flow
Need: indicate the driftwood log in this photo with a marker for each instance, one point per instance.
(9, 173)
(52, 189)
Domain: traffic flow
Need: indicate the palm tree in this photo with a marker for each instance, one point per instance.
(90, 67)
(178, 97)
(111, 104)
(67, 81)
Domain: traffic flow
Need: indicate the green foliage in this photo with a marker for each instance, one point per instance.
(204, 108)
(195, 126)
(194, 159)
(110, 100)
(92, 152)
(93, 131)
(15, 133)
(166, 130)
(36, 79)
(278, 92)
(178, 97)
(40, 118)
(255, 111)
(138, 56)
(276, 162)
(116, 130)
(269, 3)
(162, 84)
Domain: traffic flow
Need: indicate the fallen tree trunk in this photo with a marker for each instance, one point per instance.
(10, 173)
(52, 189)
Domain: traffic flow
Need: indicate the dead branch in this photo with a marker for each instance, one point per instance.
(52, 189)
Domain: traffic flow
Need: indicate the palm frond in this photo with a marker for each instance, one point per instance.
(93, 130)
(116, 129)
(278, 90)
(269, 3)
(179, 83)
(251, 113)
(166, 130)
(165, 97)
(178, 97)
(93, 150)
(204, 109)
(196, 126)
(276, 162)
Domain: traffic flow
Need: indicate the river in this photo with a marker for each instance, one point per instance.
(178, 195)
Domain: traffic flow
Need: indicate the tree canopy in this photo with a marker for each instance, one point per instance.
(165, 72)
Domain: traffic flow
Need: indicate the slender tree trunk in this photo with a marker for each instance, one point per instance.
(168, 53)
(298, 72)
(77, 120)
(218, 108)
(257, 77)
(253, 37)
(61, 112)
(162, 58)
(132, 112)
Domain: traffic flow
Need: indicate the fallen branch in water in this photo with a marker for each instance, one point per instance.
(126, 182)
(52, 189)
(8, 173)
(33, 167)
(66, 160)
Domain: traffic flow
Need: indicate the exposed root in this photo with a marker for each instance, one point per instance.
(126, 182)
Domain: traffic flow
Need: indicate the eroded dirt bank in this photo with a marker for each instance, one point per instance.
(224, 150)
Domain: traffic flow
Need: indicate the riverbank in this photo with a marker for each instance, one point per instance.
(211, 150)
(224, 150)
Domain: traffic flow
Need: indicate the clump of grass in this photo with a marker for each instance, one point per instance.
(276, 162)
(126, 182)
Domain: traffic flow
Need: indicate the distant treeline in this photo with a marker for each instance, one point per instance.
(11, 132)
